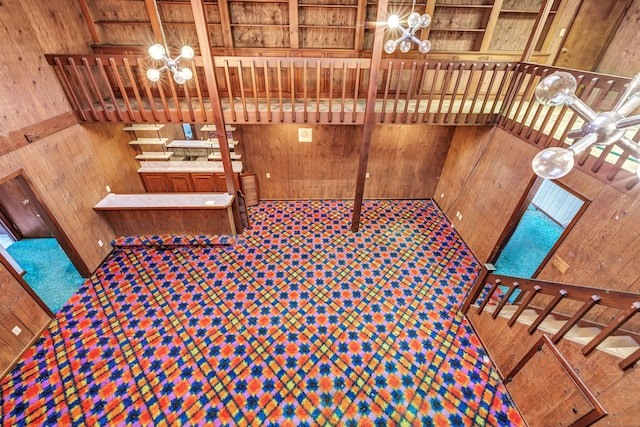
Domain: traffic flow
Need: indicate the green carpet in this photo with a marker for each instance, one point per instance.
(49, 271)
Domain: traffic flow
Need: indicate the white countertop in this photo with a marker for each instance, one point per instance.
(174, 166)
(165, 201)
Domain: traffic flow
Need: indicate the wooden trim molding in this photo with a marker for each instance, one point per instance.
(28, 134)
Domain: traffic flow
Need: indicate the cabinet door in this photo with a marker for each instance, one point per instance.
(155, 182)
(180, 182)
(203, 182)
(221, 182)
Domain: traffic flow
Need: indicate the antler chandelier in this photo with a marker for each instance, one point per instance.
(414, 22)
(599, 128)
(159, 52)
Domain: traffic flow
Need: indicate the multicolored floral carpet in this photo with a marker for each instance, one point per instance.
(297, 322)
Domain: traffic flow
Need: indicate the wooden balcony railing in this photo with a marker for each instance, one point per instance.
(286, 90)
(544, 297)
(546, 127)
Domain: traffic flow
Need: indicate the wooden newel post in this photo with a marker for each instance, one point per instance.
(477, 286)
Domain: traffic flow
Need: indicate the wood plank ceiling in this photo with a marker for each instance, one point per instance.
(460, 29)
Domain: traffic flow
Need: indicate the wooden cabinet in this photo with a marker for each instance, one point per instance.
(198, 182)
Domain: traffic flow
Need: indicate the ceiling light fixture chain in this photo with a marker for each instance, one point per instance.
(601, 129)
(415, 21)
(161, 53)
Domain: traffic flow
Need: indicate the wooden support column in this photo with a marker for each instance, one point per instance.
(543, 14)
(294, 35)
(369, 113)
(216, 108)
(90, 24)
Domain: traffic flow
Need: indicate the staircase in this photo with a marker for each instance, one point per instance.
(621, 346)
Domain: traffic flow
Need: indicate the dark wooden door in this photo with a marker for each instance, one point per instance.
(21, 212)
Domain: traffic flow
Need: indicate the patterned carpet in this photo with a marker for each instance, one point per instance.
(297, 322)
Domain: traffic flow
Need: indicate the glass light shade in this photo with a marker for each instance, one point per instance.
(413, 20)
(424, 46)
(393, 21)
(187, 52)
(553, 163)
(153, 74)
(405, 46)
(179, 77)
(425, 20)
(390, 46)
(156, 51)
(187, 73)
(556, 89)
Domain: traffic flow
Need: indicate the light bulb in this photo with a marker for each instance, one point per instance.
(553, 163)
(187, 52)
(186, 72)
(413, 20)
(390, 46)
(393, 21)
(156, 51)
(556, 89)
(425, 20)
(179, 77)
(153, 74)
(424, 46)
(405, 46)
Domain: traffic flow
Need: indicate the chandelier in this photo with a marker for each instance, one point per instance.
(159, 52)
(601, 129)
(414, 23)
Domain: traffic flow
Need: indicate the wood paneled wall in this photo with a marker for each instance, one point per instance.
(622, 56)
(405, 160)
(485, 175)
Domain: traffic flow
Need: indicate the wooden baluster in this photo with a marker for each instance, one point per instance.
(427, 113)
(267, 90)
(69, 88)
(176, 100)
(531, 99)
(398, 88)
(512, 86)
(524, 304)
(611, 328)
(386, 91)
(443, 90)
(495, 285)
(107, 83)
(525, 98)
(196, 81)
(134, 87)
(487, 94)
(588, 305)
(123, 92)
(94, 85)
(409, 92)
(355, 94)
(344, 90)
(304, 89)
(505, 299)
(227, 77)
(279, 68)
(256, 103)
(478, 286)
(554, 302)
(483, 73)
(163, 99)
(293, 91)
(76, 72)
(331, 65)
(419, 91)
(630, 360)
(147, 88)
(318, 78)
(243, 99)
(454, 93)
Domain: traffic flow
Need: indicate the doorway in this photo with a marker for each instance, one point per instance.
(544, 217)
(33, 244)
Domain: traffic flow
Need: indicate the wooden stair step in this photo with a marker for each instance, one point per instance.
(618, 341)
(582, 335)
(551, 325)
(621, 352)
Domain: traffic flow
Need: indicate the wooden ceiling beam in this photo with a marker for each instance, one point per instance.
(212, 85)
(90, 24)
(543, 14)
(294, 32)
(369, 113)
(225, 22)
(361, 17)
(155, 21)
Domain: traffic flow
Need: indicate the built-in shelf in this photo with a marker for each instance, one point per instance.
(154, 155)
(144, 127)
(149, 141)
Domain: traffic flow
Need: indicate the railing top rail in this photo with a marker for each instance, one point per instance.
(529, 67)
(608, 297)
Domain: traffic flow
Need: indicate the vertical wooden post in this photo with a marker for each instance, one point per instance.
(369, 113)
(293, 25)
(155, 22)
(477, 287)
(210, 77)
(543, 14)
